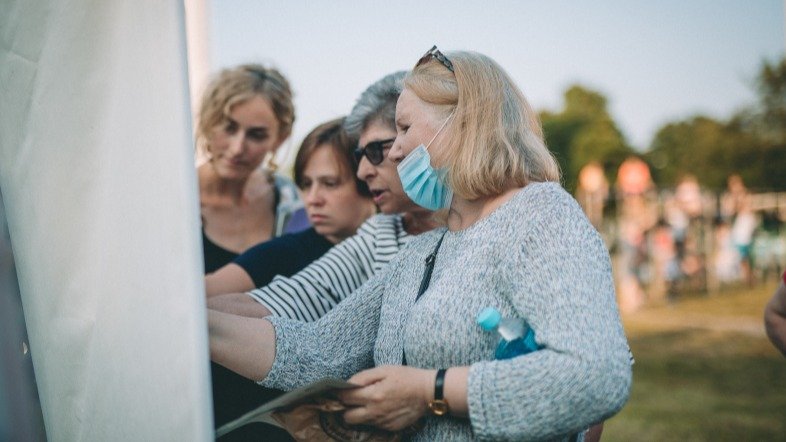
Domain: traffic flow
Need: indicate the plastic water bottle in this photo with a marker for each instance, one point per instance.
(516, 337)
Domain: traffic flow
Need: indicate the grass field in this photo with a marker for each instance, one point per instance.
(704, 371)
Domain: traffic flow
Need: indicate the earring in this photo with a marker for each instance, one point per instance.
(271, 163)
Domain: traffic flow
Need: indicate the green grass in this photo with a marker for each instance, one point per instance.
(695, 379)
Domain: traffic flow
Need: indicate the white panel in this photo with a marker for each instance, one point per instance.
(96, 167)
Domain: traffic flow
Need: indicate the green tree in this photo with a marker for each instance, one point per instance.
(771, 108)
(769, 123)
(709, 149)
(752, 143)
(583, 131)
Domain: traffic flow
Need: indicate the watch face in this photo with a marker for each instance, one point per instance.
(439, 407)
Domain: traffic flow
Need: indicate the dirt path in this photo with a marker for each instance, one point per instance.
(665, 320)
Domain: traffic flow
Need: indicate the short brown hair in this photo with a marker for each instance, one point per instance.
(331, 135)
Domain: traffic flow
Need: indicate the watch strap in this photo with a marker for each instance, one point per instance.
(439, 384)
(439, 406)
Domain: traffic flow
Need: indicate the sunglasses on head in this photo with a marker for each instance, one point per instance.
(435, 54)
(374, 151)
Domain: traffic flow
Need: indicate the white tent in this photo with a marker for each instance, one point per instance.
(96, 168)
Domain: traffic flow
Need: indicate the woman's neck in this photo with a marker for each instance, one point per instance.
(464, 213)
(210, 182)
(419, 221)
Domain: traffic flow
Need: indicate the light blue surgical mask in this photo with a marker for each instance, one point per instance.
(423, 184)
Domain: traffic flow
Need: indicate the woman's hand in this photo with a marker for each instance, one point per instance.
(390, 397)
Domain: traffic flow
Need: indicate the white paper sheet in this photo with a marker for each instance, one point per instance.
(96, 167)
(290, 399)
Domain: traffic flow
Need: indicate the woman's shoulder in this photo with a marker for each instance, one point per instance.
(302, 238)
(539, 208)
(426, 239)
(544, 200)
(281, 246)
(543, 191)
(381, 221)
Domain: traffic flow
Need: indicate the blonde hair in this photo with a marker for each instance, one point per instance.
(236, 85)
(494, 139)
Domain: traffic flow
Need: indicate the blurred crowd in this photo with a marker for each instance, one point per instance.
(668, 243)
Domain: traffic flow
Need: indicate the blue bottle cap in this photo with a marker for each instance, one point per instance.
(489, 318)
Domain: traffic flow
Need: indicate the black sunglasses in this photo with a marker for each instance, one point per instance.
(374, 151)
(439, 56)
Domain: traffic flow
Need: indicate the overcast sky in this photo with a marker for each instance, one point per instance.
(655, 61)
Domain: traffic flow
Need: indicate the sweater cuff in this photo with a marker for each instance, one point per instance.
(280, 374)
(479, 376)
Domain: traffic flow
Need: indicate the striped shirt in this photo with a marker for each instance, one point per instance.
(312, 292)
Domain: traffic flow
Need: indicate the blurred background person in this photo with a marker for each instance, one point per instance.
(736, 203)
(726, 260)
(245, 115)
(592, 193)
(637, 215)
(690, 238)
(665, 263)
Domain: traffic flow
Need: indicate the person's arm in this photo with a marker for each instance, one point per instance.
(238, 304)
(339, 345)
(562, 284)
(257, 266)
(561, 281)
(775, 317)
(228, 279)
(396, 397)
(243, 345)
(594, 433)
(315, 290)
(308, 294)
(286, 354)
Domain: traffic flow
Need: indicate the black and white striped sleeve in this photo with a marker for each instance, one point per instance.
(315, 290)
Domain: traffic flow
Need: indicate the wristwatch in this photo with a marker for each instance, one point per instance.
(439, 406)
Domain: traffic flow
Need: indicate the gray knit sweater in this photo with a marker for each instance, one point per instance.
(535, 257)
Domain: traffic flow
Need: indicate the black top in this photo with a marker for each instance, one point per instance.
(215, 255)
(234, 395)
(285, 255)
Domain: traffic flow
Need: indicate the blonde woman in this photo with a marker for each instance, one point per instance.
(467, 141)
(246, 114)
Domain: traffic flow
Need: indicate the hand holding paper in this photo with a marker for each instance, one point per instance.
(312, 414)
(390, 397)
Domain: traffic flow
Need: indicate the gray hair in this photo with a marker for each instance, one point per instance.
(376, 103)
